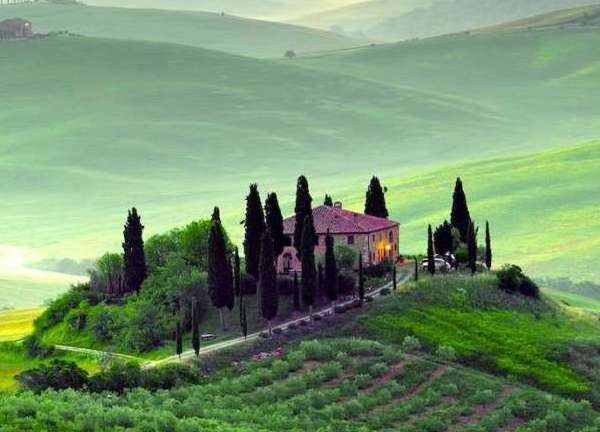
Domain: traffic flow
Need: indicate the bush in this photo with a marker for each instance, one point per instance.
(285, 285)
(411, 344)
(512, 279)
(35, 348)
(446, 353)
(59, 308)
(385, 292)
(296, 360)
(378, 370)
(105, 325)
(118, 377)
(58, 375)
(146, 329)
(77, 318)
(378, 270)
(347, 282)
(346, 257)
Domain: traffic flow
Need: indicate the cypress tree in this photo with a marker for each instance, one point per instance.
(274, 221)
(416, 268)
(216, 216)
(394, 275)
(307, 258)
(220, 283)
(472, 248)
(375, 200)
(134, 260)
(243, 317)
(328, 201)
(178, 338)
(320, 281)
(460, 216)
(443, 239)
(255, 226)
(361, 280)
(195, 328)
(488, 246)
(269, 299)
(296, 293)
(303, 209)
(331, 273)
(237, 276)
(430, 252)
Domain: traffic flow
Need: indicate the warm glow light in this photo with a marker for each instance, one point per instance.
(388, 247)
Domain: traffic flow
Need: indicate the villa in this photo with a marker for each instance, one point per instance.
(375, 238)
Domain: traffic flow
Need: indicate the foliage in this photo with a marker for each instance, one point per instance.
(302, 211)
(512, 280)
(380, 270)
(108, 275)
(328, 201)
(375, 200)
(147, 327)
(255, 226)
(134, 260)
(488, 246)
(35, 348)
(57, 375)
(345, 256)
(274, 221)
(269, 297)
(220, 283)
(307, 257)
(460, 216)
(331, 271)
(445, 238)
(472, 247)
(430, 252)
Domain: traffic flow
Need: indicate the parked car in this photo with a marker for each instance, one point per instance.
(441, 265)
(207, 336)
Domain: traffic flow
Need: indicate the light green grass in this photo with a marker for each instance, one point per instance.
(207, 30)
(574, 301)
(16, 324)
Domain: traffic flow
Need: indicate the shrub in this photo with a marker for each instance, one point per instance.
(116, 378)
(280, 369)
(347, 282)
(385, 292)
(378, 270)
(316, 350)
(105, 325)
(296, 360)
(411, 344)
(146, 328)
(77, 318)
(378, 370)
(346, 257)
(59, 308)
(35, 348)
(57, 375)
(285, 285)
(512, 279)
(446, 353)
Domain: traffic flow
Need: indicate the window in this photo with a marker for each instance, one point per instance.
(391, 236)
(350, 239)
(373, 238)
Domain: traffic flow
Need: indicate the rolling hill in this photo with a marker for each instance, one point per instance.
(207, 30)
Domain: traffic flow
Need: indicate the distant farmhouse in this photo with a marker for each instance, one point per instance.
(15, 28)
(375, 238)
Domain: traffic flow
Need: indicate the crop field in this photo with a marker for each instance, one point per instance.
(342, 385)
(15, 324)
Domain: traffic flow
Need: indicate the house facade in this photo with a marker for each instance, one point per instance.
(15, 28)
(377, 239)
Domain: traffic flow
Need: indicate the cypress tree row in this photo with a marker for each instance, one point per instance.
(307, 257)
(274, 222)
(331, 273)
(134, 260)
(375, 200)
(303, 209)
(328, 201)
(430, 252)
(220, 283)
(361, 280)
(269, 299)
(472, 248)
(195, 328)
(460, 216)
(488, 246)
(296, 293)
(255, 226)
(237, 275)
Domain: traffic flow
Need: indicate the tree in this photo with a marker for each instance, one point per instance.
(488, 246)
(307, 258)
(195, 328)
(267, 281)
(394, 276)
(361, 280)
(108, 276)
(178, 337)
(255, 226)
(274, 221)
(303, 209)
(416, 268)
(216, 216)
(443, 239)
(460, 217)
(296, 292)
(320, 281)
(290, 54)
(328, 201)
(243, 316)
(134, 261)
(220, 283)
(331, 272)
(375, 200)
(237, 275)
(472, 247)
(430, 252)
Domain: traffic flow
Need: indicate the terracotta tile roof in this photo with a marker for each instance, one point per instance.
(340, 221)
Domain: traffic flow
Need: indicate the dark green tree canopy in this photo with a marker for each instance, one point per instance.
(443, 238)
(460, 217)
(303, 209)
(307, 258)
(274, 222)
(488, 246)
(472, 247)
(220, 283)
(331, 272)
(375, 200)
(430, 252)
(216, 216)
(328, 201)
(255, 226)
(269, 299)
(134, 259)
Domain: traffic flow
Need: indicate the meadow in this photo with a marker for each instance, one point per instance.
(16, 324)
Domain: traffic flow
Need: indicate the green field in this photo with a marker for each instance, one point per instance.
(574, 301)
(206, 30)
(15, 324)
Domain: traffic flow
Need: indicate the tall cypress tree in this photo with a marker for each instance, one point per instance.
(274, 221)
(328, 201)
(216, 216)
(134, 260)
(416, 268)
(237, 274)
(375, 200)
(331, 273)
(394, 276)
(195, 327)
(307, 257)
(430, 252)
(243, 316)
(460, 216)
(220, 283)
(178, 338)
(488, 246)
(303, 209)
(320, 281)
(361, 280)
(269, 298)
(255, 226)
(472, 247)
(296, 292)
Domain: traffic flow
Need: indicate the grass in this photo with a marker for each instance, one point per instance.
(16, 324)
(206, 30)
(573, 301)
(499, 332)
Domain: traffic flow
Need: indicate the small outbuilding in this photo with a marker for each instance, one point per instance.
(15, 28)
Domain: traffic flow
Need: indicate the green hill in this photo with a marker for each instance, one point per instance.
(207, 30)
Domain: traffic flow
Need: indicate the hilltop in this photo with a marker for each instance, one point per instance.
(226, 33)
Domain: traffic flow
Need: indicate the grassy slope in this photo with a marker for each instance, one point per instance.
(574, 301)
(207, 30)
(16, 324)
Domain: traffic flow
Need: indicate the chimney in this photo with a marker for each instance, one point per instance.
(337, 205)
